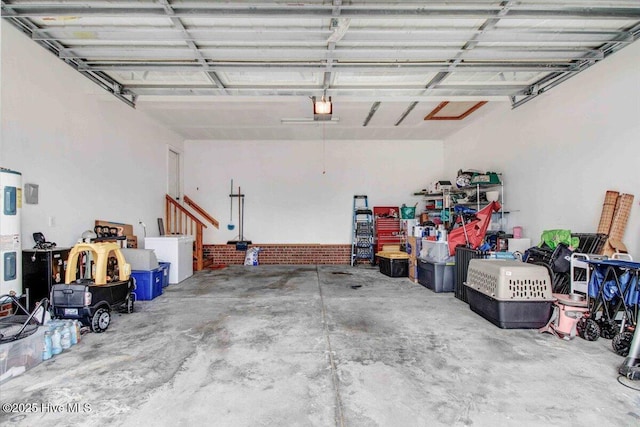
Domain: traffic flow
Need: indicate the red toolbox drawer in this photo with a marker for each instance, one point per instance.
(386, 211)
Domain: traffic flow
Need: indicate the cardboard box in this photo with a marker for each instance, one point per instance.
(413, 270)
(132, 242)
(127, 229)
(414, 245)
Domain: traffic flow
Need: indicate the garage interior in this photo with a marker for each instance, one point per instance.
(126, 113)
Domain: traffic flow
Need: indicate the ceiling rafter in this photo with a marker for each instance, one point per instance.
(299, 66)
(229, 35)
(338, 29)
(459, 10)
(98, 77)
(177, 23)
(379, 50)
(489, 24)
(554, 79)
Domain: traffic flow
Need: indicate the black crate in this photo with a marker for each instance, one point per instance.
(556, 261)
(510, 314)
(394, 267)
(462, 258)
(590, 243)
(540, 256)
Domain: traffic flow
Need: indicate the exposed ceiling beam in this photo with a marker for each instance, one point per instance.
(380, 35)
(177, 23)
(274, 66)
(298, 10)
(338, 29)
(100, 78)
(265, 43)
(554, 79)
(406, 112)
(434, 53)
(514, 87)
(379, 92)
(372, 111)
(457, 59)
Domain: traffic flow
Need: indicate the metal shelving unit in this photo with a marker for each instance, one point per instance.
(448, 203)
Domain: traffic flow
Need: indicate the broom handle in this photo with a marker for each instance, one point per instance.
(231, 204)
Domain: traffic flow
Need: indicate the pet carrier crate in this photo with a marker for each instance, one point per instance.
(510, 294)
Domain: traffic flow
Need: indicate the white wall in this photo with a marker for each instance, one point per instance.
(92, 155)
(562, 151)
(289, 199)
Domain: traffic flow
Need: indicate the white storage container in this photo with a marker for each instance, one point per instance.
(519, 245)
(18, 356)
(140, 259)
(178, 250)
(435, 251)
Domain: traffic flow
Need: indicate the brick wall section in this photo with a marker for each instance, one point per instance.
(282, 254)
(6, 309)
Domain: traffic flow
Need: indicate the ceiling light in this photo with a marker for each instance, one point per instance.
(308, 121)
(322, 109)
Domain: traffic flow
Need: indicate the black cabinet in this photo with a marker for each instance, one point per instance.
(41, 269)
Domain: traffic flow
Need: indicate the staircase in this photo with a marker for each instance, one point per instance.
(180, 220)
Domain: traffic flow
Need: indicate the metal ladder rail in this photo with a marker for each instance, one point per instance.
(362, 230)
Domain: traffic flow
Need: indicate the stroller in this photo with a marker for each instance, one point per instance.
(614, 291)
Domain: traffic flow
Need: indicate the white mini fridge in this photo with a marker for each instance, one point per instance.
(178, 250)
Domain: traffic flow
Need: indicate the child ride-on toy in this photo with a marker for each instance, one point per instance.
(98, 280)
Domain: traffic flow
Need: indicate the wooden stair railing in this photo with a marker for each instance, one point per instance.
(180, 221)
(201, 211)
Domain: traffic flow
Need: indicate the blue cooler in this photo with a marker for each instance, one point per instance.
(165, 273)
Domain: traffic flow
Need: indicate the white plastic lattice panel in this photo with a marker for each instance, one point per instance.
(507, 280)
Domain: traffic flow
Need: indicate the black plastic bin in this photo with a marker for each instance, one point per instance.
(393, 267)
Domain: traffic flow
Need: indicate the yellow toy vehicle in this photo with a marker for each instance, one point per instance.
(98, 280)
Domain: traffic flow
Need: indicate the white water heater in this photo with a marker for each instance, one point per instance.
(10, 242)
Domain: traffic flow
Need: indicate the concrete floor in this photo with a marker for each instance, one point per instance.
(298, 346)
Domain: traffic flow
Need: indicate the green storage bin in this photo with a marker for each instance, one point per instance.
(408, 212)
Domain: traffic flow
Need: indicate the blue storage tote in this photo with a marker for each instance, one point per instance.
(148, 283)
(165, 273)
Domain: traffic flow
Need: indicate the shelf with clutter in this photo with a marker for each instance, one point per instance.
(444, 201)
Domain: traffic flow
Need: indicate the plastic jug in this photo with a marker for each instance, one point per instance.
(56, 346)
(46, 350)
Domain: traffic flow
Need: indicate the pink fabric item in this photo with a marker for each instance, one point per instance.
(475, 230)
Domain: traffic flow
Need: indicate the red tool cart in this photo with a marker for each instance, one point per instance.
(386, 220)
